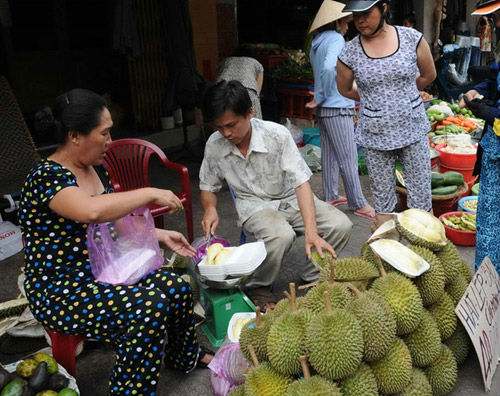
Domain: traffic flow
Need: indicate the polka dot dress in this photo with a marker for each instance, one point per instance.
(65, 297)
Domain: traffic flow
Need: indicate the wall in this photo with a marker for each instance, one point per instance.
(204, 22)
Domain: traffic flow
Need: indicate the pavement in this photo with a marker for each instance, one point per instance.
(96, 361)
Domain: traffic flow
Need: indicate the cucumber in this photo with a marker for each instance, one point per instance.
(437, 179)
(453, 179)
(444, 190)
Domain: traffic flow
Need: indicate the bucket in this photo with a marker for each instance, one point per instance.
(466, 172)
(455, 160)
(470, 184)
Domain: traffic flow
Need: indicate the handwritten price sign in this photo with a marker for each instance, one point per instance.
(479, 312)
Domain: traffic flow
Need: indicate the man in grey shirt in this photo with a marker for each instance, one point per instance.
(261, 163)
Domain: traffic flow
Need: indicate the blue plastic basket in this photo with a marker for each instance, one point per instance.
(462, 200)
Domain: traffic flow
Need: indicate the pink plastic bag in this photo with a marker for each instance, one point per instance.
(123, 251)
(228, 368)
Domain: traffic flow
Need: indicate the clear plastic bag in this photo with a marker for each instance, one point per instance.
(312, 156)
(297, 134)
(123, 251)
(228, 367)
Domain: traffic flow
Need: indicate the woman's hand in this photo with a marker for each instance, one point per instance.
(176, 242)
(312, 104)
(167, 198)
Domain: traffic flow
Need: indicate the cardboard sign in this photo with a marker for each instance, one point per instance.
(479, 312)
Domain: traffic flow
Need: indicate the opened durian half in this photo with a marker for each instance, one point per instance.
(421, 228)
(400, 257)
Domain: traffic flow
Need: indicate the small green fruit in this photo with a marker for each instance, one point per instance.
(68, 392)
(26, 368)
(52, 365)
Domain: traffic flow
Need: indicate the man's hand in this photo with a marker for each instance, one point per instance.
(176, 242)
(313, 240)
(210, 222)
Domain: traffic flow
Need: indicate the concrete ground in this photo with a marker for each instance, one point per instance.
(95, 363)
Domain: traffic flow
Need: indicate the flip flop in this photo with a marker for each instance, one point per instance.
(203, 351)
(365, 215)
(261, 297)
(338, 202)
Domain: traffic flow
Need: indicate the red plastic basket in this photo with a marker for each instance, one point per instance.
(270, 62)
(458, 237)
(461, 161)
(466, 172)
(293, 103)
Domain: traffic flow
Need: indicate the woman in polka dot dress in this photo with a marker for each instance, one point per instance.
(61, 196)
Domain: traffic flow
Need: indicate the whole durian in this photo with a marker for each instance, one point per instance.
(419, 385)
(431, 283)
(330, 354)
(338, 292)
(456, 288)
(284, 306)
(424, 343)
(421, 228)
(442, 373)
(362, 382)
(237, 391)
(403, 298)
(450, 260)
(286, 341)
(443, 313)
(312, 386)
(350, 269)
(464, 269)
(377, 323)
(264, 380)
(393, 371)
(460, 344)
(255, 333)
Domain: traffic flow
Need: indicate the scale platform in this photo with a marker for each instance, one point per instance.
(220, 305)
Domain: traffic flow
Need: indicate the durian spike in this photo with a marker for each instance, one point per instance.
(305, 367)
(302, 287)
(258, 317)
(380, 266)
(327, 302)
(355, 290)
(253, 355)
(331, 281)
(293, 306)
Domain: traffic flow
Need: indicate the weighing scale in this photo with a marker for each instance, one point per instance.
(220, 299)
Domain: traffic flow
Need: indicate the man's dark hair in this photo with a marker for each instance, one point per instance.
(223, 96)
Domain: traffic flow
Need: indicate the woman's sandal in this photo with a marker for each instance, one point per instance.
(203, 352)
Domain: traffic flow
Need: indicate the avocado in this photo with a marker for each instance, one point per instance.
(57, 382)
(40, 378)
(51, 362)
(4, 377)
(47, 393)
(68, 392)
(14, 388)
(26, 368)
(16, 377)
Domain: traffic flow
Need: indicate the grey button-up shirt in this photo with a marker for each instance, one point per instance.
(268, 175)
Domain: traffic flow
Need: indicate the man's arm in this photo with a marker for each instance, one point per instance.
(307, 207)
(210, 220)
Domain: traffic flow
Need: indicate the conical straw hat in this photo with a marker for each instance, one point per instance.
(329, 11)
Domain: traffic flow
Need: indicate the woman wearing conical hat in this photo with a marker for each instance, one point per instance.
(334, 111)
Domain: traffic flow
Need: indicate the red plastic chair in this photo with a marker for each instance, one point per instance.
(127, 161)
(64, 349)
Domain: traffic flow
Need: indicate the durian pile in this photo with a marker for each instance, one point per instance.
(366, 328)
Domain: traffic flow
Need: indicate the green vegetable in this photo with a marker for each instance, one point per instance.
(437, 179)
(453, 179)
(444, 190)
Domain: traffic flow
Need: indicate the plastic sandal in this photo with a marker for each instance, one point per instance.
(365, 215)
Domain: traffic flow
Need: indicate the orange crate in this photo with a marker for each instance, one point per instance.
(293, 103)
